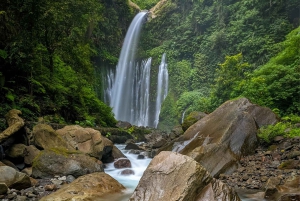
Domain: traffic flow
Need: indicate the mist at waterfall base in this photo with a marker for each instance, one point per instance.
(129, 181)
(128, 88)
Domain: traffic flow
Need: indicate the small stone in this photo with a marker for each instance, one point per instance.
(122, 163)
(31, 195)
(50, 187)
(63, 178)
(3, 188)
(264, 178)
(70, 178)
(127, 172)
(11, 196)
(278, 138)
(56, 182)
(21, 198)
(140, 156)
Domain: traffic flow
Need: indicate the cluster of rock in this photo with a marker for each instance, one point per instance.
(211, 148)
(215, 156)
(275, 170)
(52, 158)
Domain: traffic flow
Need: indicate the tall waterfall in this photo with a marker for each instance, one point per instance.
(162, 87)
(121, 97)
(128, 89)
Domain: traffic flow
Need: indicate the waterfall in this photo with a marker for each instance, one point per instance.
(128, 88)
(162, 87)
(183, 114)
(121, 98)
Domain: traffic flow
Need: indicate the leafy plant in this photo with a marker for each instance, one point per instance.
(285, 128)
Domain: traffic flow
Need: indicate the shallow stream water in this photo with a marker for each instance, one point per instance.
(139, 166)
(129, 181)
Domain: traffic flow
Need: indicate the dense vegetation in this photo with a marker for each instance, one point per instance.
(47, 54)
(52, 52)
(222, 49)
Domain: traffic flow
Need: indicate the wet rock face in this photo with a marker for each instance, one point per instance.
(218, 140)
(172, 176)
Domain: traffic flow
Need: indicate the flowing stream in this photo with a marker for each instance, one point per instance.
(129, 181)
(139, 166)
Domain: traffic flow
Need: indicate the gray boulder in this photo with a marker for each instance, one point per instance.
(218, 140)
(14, 179)
(62, 162)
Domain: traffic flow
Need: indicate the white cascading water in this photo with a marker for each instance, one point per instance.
(162, 87)
(129, 181)
(128, 89)
(121, 96)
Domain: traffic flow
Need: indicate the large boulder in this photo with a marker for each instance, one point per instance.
(15, 123)
(172, 176)
(14, 179)
(62, 162)
(218, 140)
(88, 187)
(45, 137)
(87, 140)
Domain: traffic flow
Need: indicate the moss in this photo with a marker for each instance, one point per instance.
(289, 164)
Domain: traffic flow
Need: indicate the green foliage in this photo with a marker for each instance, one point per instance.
(46, 57)
(169, 113)
(230, 73)
(285, 128)
(198, 35)
(145, 4)
(188, 102)
(277, 83)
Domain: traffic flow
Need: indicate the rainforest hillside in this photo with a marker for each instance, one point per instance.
(48, 51)
(219, 50)
(52, 54)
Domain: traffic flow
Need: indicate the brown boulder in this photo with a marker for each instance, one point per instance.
(88, 187)
(87, 140)
(45, 137)
(172, 176)
(219, 139)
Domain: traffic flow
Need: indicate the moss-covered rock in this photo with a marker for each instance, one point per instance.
(192, 118)
(45, 137)
(64, 162)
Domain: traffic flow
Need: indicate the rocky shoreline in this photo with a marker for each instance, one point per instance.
(274, 165)
(222, 147)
